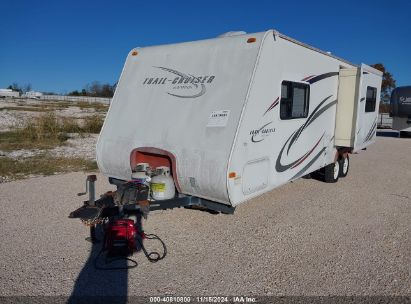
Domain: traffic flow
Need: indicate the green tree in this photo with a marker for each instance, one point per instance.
(15, 87)
(74, 93)
(388, 81)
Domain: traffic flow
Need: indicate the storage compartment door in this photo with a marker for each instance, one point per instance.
(255, 175)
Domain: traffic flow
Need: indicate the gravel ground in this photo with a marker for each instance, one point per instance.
(305, 238)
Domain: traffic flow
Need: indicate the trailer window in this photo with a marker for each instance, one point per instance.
(294, 100)
(371, 99)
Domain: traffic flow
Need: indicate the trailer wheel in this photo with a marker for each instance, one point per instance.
(332, 172)
(344, 166)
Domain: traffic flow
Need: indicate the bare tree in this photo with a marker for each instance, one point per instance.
(96, 89)
(26, 88)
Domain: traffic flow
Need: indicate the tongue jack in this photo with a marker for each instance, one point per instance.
(90, 189)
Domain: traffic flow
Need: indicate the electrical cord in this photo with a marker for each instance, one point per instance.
(149, 255)
(157, 255)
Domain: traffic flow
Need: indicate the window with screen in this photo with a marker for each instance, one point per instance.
(294, 100)
(371, 99)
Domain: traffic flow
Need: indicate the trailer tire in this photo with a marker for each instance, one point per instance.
(344, 166)
(332, 172)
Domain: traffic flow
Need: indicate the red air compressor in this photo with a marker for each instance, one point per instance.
(120, 237)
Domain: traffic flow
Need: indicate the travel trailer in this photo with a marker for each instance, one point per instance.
(239, 115)
(33, 95)
(9, 93)
(401, 109)
(211, 124)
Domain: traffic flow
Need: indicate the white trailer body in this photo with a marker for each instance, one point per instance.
(237, 116)
(9, 93)
(33, 94)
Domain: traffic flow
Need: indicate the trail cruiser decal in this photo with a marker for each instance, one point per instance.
(194, 86)
(260, 134)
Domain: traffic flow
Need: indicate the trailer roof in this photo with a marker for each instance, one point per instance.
(312, 48)
(367, 67)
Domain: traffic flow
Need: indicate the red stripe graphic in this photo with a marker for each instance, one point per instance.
(272, 105)
(308, 153)
(308, 77)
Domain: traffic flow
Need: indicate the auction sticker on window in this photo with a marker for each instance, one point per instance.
(218, 118)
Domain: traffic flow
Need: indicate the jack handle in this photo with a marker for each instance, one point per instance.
(90, 189)
(90, 178)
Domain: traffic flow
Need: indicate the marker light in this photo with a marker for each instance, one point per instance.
(231, 175)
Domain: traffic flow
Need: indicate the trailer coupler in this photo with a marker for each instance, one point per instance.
(93, 211)
(121, 234)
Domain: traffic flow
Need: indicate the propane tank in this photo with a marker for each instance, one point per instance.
(141, 173)
(162, 184)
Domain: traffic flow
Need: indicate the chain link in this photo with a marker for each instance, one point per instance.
(94, 221)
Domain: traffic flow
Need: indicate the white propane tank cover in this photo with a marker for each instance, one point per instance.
(141, 173)
(163, 170)
(162, 184)
(141, 167)
(141, 177)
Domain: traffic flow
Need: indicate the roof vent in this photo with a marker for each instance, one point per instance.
(232, 33)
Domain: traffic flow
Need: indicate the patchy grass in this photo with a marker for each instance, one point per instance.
(47, 132)
(70, 125)
(43, 165)
(20, 139)
(26, 109)
(99, 107)
(44, 106)
(43, 132)
(93, 124)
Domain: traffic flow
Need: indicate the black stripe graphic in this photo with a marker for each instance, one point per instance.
(321, 77)
(280, 167)
(371, 132)
(313, 116)
(302, 171)
(318, 111)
